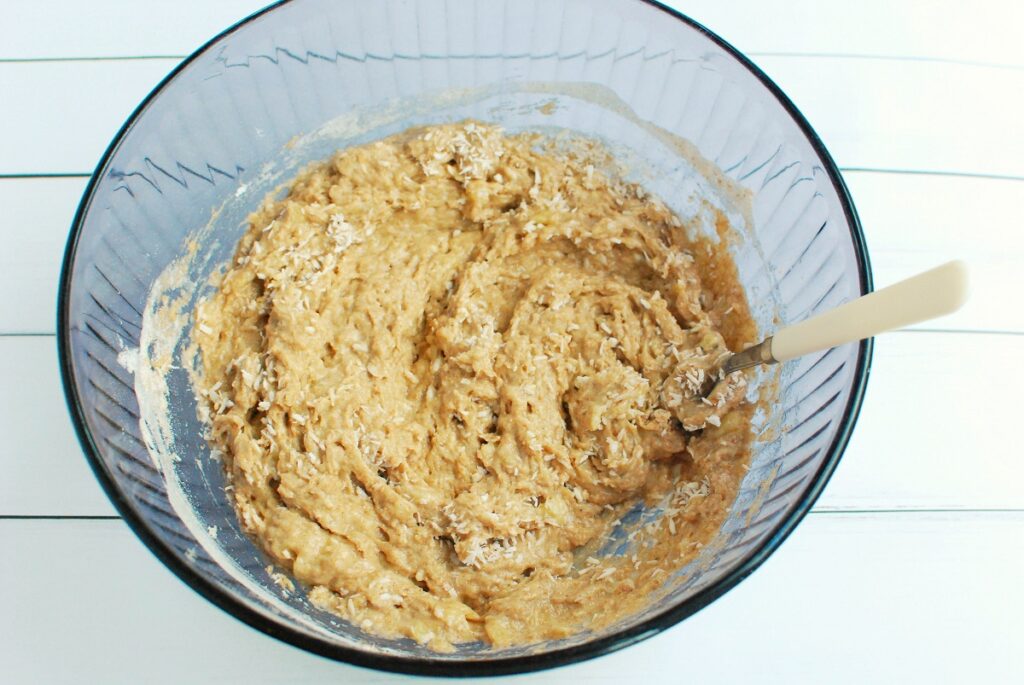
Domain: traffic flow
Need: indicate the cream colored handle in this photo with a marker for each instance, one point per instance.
(934, 293)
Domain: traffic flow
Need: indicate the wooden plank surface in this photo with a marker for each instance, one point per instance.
(45, 472)
(921, 442)
(87, 603)
(912, 222)
(985, 31)
(920, 116)
(35, 224)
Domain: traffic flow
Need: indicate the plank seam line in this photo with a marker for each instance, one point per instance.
(843, 169)
(813, 512)
(926, 59)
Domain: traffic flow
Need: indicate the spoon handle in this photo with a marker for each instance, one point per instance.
(931, 294)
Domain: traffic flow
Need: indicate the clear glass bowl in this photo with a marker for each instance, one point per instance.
(253, 105)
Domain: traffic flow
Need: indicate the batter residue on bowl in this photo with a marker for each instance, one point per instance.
(444, 366)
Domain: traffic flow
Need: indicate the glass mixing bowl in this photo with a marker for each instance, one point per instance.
(301, 79)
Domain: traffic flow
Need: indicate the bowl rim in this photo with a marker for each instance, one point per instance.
(425, 666)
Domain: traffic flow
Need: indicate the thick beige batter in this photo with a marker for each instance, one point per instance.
(446, 363)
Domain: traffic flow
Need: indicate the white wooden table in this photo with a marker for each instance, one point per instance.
(909, 569)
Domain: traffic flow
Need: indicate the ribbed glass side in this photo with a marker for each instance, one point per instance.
(255, 98)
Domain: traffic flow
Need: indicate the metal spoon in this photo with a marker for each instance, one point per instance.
(931, 294)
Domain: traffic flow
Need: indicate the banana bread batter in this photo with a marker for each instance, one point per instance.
(446, 363)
